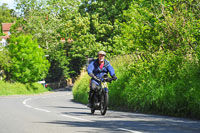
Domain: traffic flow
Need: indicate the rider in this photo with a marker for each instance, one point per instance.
(96, 69)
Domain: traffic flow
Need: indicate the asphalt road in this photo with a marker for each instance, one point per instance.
(55, 112)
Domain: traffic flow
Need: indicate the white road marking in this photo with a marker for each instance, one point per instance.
(129, 130)
(42, 110)
(24, 102)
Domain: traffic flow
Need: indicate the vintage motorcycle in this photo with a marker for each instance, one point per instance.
(100, 96)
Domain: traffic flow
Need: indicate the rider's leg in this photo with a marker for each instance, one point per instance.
(93, 86)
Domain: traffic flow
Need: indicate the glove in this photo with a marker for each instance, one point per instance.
(97, 79)
(94, 77)
(91, 75)
(109, 80)
(114, 77)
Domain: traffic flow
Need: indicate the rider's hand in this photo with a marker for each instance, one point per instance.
(97, 79)
(94, 77)
(114, 77)
(91, 75)
(109, 80)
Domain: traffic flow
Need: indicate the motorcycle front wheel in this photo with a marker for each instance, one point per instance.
(104, 103)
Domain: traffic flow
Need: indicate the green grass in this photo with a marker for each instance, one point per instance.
(7, 88)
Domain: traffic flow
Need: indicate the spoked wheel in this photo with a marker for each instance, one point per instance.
(104, 103)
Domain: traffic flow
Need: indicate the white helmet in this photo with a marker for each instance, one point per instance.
(102, 53)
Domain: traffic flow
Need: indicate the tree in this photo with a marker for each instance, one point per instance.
(6, 16)
(46, 21)
(4, 60)
(28, 62)
(154, 25)
(104, 18)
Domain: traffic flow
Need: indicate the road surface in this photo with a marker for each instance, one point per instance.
(55, 112)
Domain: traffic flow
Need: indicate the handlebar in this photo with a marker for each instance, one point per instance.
(105, 78)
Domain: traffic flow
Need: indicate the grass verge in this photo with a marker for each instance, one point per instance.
(7, 88)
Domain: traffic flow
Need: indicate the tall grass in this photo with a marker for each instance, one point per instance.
(7, 88)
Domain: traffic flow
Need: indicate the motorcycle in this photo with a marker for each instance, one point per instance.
(100, 96)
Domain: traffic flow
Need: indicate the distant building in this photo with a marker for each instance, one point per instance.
(6, 31)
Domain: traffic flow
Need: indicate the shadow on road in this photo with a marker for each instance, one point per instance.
(69, 107)
(113, 121)
(68, 88)
(139, 125)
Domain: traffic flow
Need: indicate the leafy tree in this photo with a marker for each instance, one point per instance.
(155, 25)
(104, 18)
(6, 16)
(28, 63)
(46, 21)
(4, 60)
(118, 27)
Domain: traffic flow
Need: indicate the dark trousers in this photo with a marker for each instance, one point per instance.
(93, 88)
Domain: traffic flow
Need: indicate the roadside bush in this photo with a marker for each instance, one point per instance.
(168, 84)
(28, 62)
(81, 88)
(7, 88)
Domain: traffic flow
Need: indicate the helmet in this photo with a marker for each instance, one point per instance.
(102, 52)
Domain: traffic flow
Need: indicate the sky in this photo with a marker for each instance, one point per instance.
(10, 3)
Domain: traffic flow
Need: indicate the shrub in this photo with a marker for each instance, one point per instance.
(28, 62)
(81, 88)
(167, 84)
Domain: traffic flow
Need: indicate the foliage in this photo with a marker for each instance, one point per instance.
(161, 36)
(7, 88)
(4, 57)
(7, 15)
(56, 20)
(163, 85)
(81, 88)
(155, 25)
(168, 84)
(28, 63)
(104, 16)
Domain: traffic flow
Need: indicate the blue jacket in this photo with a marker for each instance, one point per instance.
(94, 68)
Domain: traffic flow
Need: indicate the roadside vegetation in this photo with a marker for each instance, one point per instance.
(153, 46)
(7, 88)
(81, 88)
(157, 85)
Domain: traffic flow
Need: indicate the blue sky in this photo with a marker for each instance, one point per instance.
(10, 3)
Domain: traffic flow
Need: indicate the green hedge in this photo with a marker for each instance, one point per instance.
(165, 83)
